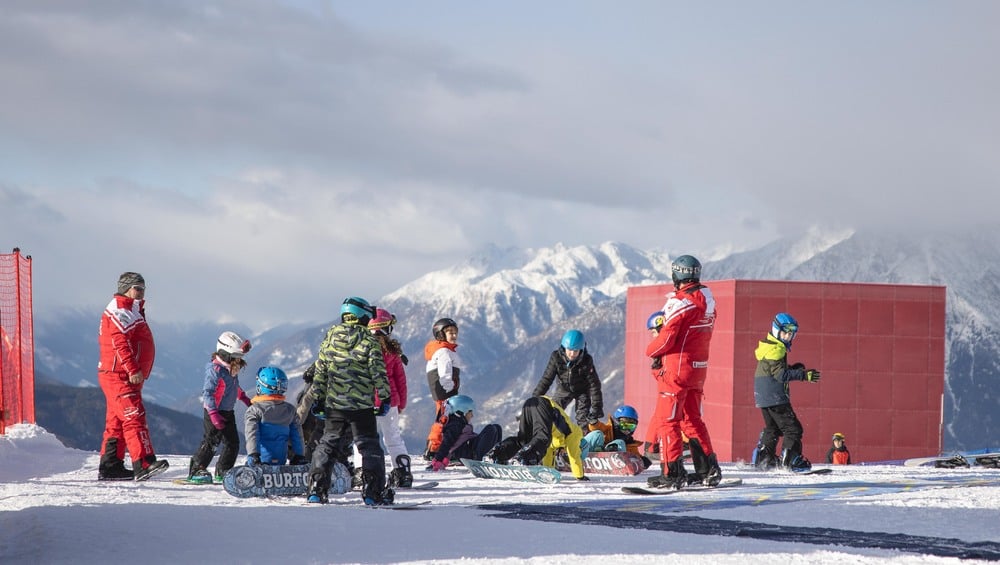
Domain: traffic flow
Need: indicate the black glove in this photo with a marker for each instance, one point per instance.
(253, 459)
(526, 456)
(318, 410)
(404, 358)
(657, 363)
(382, 409)
(812, 375)
(299, 460)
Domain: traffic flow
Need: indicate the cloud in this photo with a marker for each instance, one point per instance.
(260, 160)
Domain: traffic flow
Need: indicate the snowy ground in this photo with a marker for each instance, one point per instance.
(52, 510)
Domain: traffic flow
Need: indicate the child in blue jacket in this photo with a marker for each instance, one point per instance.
(271, 423)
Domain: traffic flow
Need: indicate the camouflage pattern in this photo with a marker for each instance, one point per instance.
(350, 369)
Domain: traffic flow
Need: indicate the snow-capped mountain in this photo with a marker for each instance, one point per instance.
(513, 305)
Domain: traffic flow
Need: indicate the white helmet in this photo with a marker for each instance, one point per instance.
(232, 346)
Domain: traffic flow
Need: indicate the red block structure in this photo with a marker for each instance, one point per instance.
(880, 347)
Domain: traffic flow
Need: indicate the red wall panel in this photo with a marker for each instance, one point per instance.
(880, 348)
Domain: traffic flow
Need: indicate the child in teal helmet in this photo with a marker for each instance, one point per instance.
(571, 367)
(459, 440)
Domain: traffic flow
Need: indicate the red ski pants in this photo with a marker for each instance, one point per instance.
(125, 417)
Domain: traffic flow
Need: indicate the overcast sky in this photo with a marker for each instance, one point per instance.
(259, 161)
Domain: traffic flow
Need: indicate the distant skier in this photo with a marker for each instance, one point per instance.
(220, 391)
(771, 395)
(271, 424)
(838, 453)
(572, 368)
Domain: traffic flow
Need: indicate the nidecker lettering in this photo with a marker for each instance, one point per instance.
(510, 473)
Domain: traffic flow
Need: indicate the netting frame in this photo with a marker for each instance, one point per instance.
(17, 341)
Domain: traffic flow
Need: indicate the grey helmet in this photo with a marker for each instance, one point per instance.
(685, 269)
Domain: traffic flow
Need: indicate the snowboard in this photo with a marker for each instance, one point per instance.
(186, 481)
(958, 460)
(824, 471)
(521, 473)
(400, 505)
(419, 486)
(695, 487)
(279, 480)
(607, 463)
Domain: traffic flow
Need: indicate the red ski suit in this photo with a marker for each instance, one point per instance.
(681, 346)
(126, 344)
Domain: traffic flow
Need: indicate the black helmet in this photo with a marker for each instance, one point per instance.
(685, 269)
(439, 327)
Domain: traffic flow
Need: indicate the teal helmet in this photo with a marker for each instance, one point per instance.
(685, 269)
(573, 339)
(460, 404)
(271, 380)
(357, 307)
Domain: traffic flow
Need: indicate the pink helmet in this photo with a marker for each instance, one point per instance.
(382, 322)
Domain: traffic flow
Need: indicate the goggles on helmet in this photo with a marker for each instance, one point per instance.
(627, 424)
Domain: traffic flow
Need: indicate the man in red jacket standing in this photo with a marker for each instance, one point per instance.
(127, 353)
(679, 355)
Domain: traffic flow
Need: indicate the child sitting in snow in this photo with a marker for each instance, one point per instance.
(271, 422)
(616, 434)
(458, 439)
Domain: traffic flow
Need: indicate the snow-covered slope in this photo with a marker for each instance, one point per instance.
(52, 510)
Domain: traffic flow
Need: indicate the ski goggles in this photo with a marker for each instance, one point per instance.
(627, 424)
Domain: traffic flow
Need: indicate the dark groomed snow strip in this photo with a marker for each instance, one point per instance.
(942, 547)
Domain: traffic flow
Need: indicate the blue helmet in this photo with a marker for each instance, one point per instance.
(573, 339)
(784, 323)
(357, 307)
(271, 380)
(656, 320)
(460, 404)
(626, 411)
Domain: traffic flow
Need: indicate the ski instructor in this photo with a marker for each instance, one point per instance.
(679, 355)
(126, 360)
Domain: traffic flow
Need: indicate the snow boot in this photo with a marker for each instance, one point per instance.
(316, 493)
(401, 476)
(794, 461)
(714, 475)
(763, 458)
(111, 468)
(674, 476)
(374, 493)
(116, 472)
(151, 466)
(201, 477)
